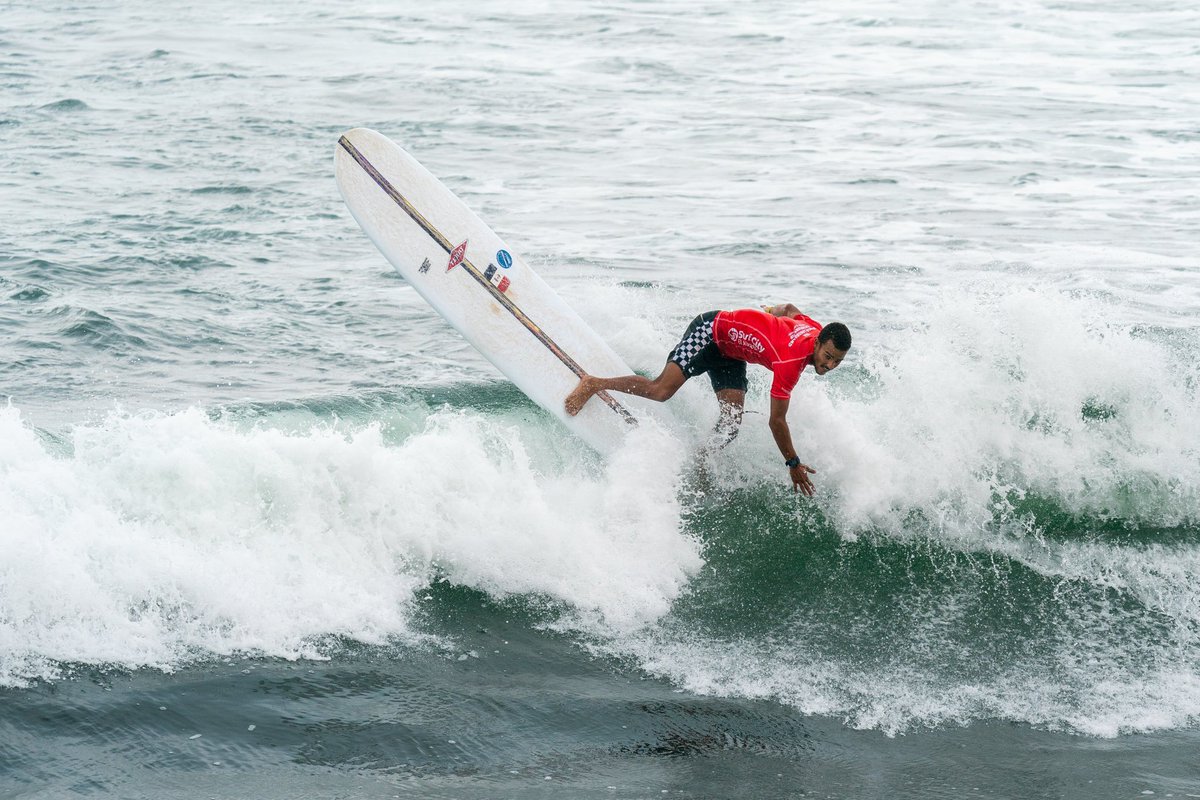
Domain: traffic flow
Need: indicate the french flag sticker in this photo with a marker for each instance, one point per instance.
(496, 277)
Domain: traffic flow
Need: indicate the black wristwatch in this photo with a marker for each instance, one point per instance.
(794, 461)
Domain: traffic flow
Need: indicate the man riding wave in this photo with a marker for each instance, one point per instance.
(722, 343)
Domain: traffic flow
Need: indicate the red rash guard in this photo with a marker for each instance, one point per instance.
(781, 344)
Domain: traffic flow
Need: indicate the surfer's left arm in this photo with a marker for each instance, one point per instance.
(782, 310)
(783, 439)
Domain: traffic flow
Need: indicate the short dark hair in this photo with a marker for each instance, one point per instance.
(838, 332)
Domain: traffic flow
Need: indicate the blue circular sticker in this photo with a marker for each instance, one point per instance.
(504, 259)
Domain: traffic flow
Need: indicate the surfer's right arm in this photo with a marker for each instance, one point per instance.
(783, 439)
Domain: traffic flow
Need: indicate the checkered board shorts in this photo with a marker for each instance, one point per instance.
(698, 336)
(697, 353)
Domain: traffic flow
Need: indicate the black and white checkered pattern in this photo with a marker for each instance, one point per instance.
(696, 340)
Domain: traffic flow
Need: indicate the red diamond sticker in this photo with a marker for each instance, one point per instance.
(456, 257)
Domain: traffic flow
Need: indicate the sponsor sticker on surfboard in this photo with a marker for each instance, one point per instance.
(456, 257)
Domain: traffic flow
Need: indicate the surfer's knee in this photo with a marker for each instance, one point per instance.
(730, 420)
(661, 391)
(665, 386)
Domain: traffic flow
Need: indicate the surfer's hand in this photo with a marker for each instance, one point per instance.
(800, 481)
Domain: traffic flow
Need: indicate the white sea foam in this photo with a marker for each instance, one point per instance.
(1086, 695)
(966, 425)
(162, 536)
(151, 539)
(992, 394)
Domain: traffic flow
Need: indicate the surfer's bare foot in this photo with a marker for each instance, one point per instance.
(581, 394)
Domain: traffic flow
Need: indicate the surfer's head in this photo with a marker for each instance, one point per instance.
(833, 342)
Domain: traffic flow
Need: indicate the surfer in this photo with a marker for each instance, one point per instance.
(721, 343)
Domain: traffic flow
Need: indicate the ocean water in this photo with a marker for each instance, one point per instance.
(269, 528)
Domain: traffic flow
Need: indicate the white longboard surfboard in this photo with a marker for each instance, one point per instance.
(480, 285)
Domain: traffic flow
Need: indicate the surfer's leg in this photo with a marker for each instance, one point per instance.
(685, 361)
(661, 388)
(728, 377)
(729, 422)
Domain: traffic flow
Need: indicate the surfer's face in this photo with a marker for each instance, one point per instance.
(826, 357)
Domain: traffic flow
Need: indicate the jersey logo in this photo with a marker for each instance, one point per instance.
(799, 331)
(456, 257)
(747, 340)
